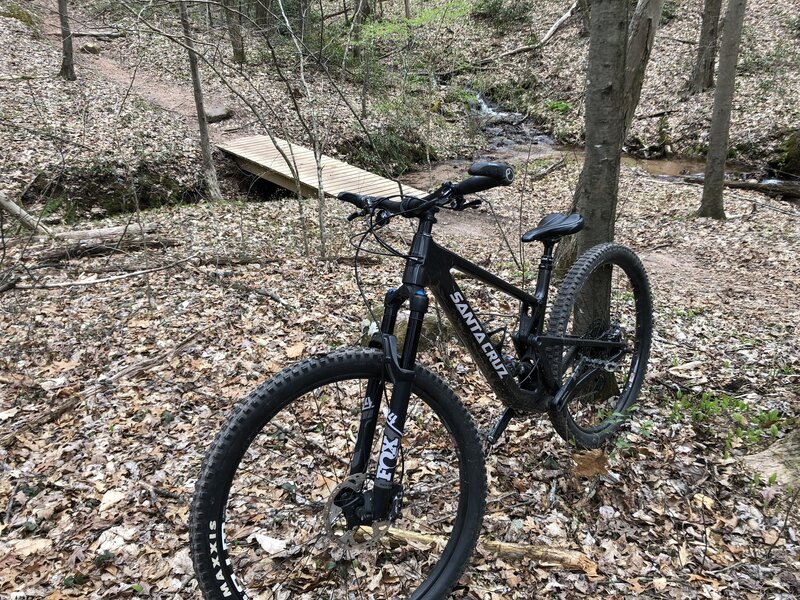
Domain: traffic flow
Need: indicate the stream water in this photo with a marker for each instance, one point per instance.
(510, 136)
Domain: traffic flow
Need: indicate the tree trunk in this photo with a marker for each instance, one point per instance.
(205, 145)
(644, 24)
(586, 16)
(234, 31)
(407, 5)
(360, 15)
(703, 74)
(596, 197)
(67, 61)
(209, 16)
(263, 13)
(365, 71)
(711, 204)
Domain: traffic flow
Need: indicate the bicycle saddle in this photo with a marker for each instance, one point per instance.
(553, 227)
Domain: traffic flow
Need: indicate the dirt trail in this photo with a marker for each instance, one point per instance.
(172, 97)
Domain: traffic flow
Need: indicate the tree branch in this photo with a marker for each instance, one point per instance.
(74, 399)
(88, 282)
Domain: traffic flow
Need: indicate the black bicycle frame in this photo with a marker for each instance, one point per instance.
(428, 265)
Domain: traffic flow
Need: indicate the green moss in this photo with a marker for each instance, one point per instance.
(107, 187)
(670, 11)
(789, 161)
(15, 11)
(560, 106)
(395, 149)
(515, 94)
(502, 14)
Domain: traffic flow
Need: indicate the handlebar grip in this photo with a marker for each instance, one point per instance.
(502, 172)
(472, 185)
(357, 200)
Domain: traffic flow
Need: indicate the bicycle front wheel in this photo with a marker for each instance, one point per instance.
(264, 523)
(604, 296)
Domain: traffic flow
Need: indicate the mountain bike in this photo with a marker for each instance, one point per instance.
(301, 497)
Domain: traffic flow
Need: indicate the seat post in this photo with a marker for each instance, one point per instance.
(543, 282)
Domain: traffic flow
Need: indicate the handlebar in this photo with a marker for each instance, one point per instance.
(485, 175)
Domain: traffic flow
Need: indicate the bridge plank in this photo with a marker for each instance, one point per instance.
(260, 156)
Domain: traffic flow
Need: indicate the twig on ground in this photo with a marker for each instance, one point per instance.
(88, 282)
(102, 384)
(785, 523)
(544, 555)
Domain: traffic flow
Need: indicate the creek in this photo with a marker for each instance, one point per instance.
(510, 137)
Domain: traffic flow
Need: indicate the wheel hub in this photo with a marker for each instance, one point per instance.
(347, 515)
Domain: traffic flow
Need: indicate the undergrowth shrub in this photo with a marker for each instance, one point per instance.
(395, 149)
(15, 11)
(108, 187)
(502, 14)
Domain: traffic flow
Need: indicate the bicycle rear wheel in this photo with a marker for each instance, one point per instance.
(263, 521)
(605, 296)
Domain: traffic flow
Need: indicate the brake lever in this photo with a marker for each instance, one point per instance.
(382, 218)
(357, 214)
(473, 204)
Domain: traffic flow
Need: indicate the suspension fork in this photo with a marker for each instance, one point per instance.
(402, 373)
(399, 368)
(370, 407)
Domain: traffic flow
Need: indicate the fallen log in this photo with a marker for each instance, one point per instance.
(544, 555)
(100, 34)
(234, 260)
(774, 187)
(108, 232)
(88, 282)
(100, 247)
(27, 221)
(131, 229)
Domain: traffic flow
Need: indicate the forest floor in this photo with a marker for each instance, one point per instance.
(95, 502)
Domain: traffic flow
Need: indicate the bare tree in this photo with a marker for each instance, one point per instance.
(703, 73)
(633, 63)
(234, 31)
(586, 15)
(711, 204)
(205, 145)
(362, 12)
(67, 61)
(642, 33)
(263, 13)
(596, 196)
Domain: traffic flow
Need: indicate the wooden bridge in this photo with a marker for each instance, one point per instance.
(261, 156)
